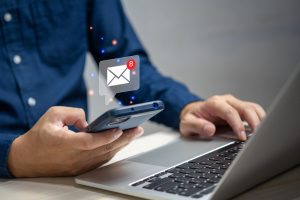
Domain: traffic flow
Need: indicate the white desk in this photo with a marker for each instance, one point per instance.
(284, 186)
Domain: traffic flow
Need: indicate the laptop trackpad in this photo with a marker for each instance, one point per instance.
(178, 151)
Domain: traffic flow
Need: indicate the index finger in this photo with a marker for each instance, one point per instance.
(68, 116)
(232, 117)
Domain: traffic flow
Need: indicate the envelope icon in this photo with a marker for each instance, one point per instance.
(118, 75)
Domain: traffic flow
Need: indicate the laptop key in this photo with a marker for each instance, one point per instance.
(204, 185)
(224, 167)
(207, 162)
(190, 171)
(212, 181)
(177, 175)
(197, 196)
(209, 190)
(157, 182)
(189, 191)
(206, 176)
(193, 175)
(217, 171)
(166, 186)
(175, 190)
(215, 158)
(201, 171)
(182, 180)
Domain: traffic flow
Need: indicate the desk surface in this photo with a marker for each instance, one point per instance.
(284, 186)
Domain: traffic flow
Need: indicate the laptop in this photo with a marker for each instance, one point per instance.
(218, 169)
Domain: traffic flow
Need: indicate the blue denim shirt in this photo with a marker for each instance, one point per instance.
(43, 45)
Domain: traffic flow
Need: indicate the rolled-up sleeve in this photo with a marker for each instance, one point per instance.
(109, 23)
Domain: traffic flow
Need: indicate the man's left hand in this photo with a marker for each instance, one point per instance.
(201, 118)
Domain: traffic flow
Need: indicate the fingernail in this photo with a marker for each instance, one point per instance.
(243, 135)
(138, 134)
(117, 133)
(208, 129)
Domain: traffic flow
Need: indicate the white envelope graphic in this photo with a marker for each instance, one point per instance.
(118, 75)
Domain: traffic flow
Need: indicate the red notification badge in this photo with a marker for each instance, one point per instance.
(131, 64)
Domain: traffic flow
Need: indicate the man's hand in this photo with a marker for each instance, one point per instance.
(51, 149)
(201, 118)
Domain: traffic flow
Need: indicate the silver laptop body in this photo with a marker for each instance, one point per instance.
(273, 148)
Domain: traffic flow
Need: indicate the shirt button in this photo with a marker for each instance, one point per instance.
(7, 17)
(31, 101)
(17, 59)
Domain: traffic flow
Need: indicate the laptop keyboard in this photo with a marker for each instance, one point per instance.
(194, 178)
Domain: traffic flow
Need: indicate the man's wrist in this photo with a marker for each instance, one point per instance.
(16, 157)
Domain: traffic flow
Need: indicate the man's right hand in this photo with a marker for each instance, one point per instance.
(51, 149)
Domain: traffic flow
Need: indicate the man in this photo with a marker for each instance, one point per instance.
(42, 91)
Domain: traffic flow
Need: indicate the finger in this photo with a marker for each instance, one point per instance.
(231, 116)
(125, 139)
(95, 162)
(88, 141)
(69, 116)
(260, 111)
(251, 117)
(247, 111)
(192, 125)
(137, 131)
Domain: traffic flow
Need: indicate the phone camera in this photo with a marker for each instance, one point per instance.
(155, 105)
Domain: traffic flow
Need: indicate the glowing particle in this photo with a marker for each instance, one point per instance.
(114, 42)
(102, 51)
(130, 102)
(119, 102)
(133, 73)
(101, 38)
(111, 99)
(132, 97)
(118, 60)
(91, 92)
(91, 28)
(92, 74)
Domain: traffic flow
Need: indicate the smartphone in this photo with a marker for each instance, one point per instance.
(125, 117)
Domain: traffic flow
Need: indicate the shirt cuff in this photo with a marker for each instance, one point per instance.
(173, 106)
(5, 144)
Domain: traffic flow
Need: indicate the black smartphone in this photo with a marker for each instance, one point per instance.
(125, 117)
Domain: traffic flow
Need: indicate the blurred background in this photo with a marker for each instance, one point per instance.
(246, 48)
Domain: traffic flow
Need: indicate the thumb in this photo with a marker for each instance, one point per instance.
(200, 126)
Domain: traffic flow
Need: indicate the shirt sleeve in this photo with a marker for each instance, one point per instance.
(5, 144)
(109, 22)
